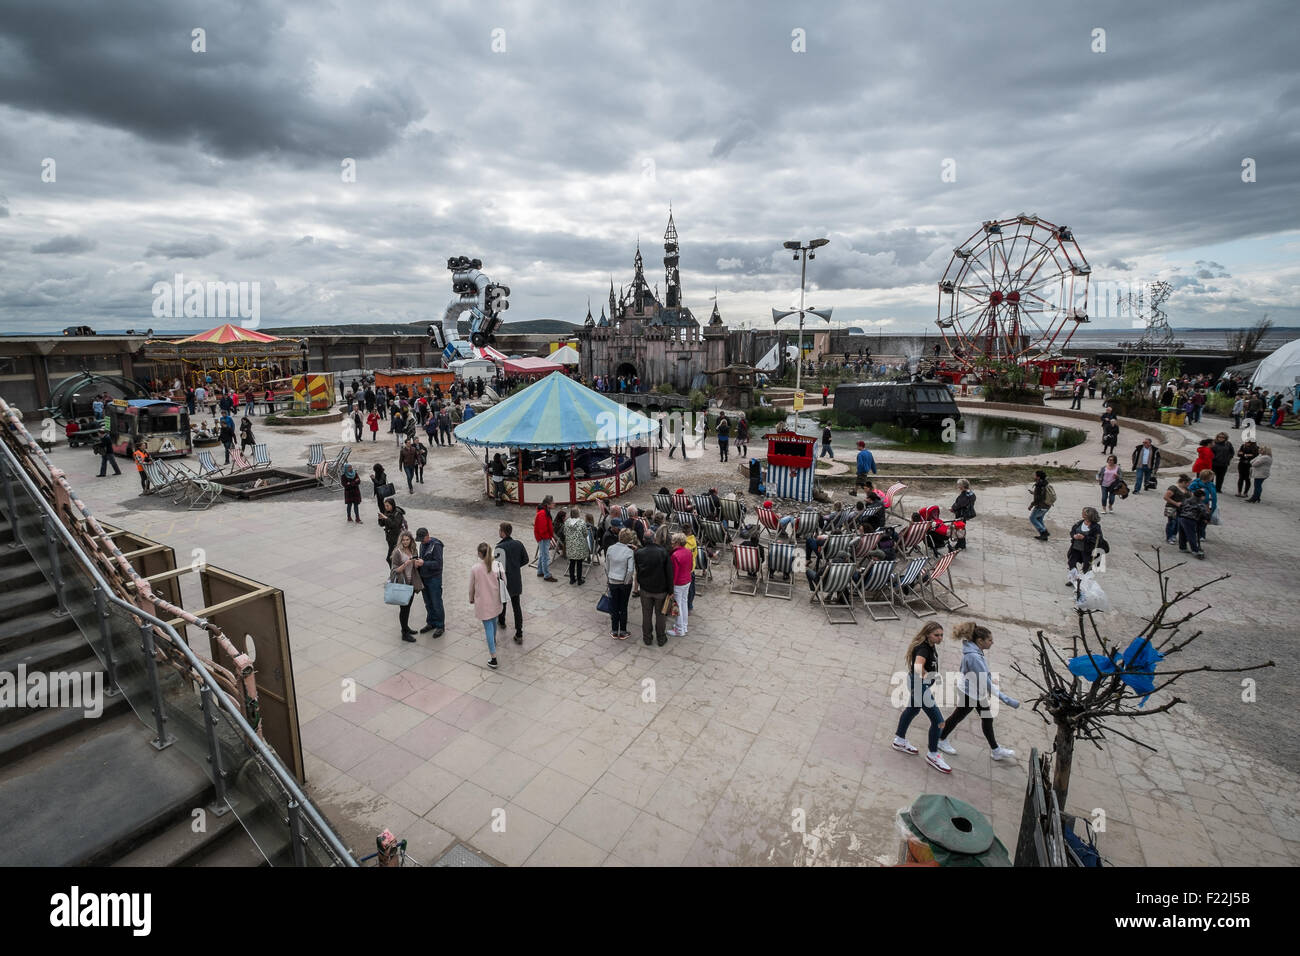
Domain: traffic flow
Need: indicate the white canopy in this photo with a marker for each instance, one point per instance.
(567, 355)
(1280, 371)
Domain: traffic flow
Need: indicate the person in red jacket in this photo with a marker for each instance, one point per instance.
(826, 391)
(1204, 456)
(543, 531)
(373, 421)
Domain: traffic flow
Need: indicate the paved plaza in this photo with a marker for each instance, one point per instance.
(592, 751)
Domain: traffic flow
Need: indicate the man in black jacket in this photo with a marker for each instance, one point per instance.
(431, 575)
(655, 579)
(513, 556)
(1146, 462)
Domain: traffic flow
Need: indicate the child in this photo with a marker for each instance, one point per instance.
(973, 689)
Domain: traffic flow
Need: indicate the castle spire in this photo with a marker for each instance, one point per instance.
(672, 279)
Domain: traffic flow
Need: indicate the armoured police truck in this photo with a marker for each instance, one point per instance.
(909, 404)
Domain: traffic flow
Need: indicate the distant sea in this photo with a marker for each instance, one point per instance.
(1192, 339)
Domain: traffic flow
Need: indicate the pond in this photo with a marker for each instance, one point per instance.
(977, 436)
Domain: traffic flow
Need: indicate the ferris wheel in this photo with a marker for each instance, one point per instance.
(1017, 288)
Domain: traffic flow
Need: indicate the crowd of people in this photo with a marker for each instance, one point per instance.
(1191, 501)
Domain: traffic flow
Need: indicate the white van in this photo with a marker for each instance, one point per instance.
(469, 369)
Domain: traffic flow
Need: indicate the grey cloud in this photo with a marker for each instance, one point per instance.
(64, 245)
(199, 247)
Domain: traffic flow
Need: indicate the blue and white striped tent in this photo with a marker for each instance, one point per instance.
(556, 412)
(786, 482)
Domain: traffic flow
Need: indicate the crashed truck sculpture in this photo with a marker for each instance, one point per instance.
(484, 300)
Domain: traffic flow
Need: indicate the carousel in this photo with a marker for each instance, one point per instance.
(559, 438)
(229, 356)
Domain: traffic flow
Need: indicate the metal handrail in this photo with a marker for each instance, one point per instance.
(269, 757)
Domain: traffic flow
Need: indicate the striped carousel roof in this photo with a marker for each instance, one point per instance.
(556, 412)
(230, 335)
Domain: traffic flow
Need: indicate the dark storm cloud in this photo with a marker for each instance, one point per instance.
(132, 66)
(199, 247)
(64, 245)
(548, 153)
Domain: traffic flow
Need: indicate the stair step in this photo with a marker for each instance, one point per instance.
(37, 729)
(34, 626)
(238, 849)
(19, 575)
(25, 600)
(10, 555)
(87, 800)
(178, 845)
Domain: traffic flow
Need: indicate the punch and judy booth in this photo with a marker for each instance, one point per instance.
(790, 462)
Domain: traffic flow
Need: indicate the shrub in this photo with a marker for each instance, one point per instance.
(665, 389)
(699, 400)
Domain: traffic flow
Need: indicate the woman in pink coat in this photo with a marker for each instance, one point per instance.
(485, 595)
(682, 562)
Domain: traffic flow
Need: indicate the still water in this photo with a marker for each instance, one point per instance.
(982, 436)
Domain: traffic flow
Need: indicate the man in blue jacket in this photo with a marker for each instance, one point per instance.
(431, 575)
(866, 464)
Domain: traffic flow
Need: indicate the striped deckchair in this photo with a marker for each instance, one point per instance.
(681, 502)
(780, 561)
(746, 559)
(769, 520)
(806, 524)
(663, 503)
(733, 513)
(261, 457)
(704, 506)
(836, 582)
(907, 587)
(941, 576)
(913, 537)
(877, 579)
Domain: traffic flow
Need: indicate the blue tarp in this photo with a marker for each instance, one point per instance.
(1136, 666)
(556, 412)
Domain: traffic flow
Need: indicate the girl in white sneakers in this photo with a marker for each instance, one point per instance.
(974, 689)
(922, 668)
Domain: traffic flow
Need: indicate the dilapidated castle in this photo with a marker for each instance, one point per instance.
(656, 341)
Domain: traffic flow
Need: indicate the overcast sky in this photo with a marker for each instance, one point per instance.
(546, 138)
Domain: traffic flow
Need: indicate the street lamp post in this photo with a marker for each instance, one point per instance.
(802, 253)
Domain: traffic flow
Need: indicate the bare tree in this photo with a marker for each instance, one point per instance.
(1083, 710)
(1241, 342)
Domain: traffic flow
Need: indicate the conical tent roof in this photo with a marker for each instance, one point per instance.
(1278, 372)
(229, 334)
(567, 355)
(556, 412)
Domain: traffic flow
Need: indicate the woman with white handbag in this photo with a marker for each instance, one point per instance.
(487, 592)
(404, 582)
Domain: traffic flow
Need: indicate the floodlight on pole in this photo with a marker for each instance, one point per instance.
(777, 315)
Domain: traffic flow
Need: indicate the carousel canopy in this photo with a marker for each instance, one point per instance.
(229, 335)
(556, 412)
(489, 353)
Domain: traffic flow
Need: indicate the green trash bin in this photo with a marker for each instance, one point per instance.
(956, 833)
